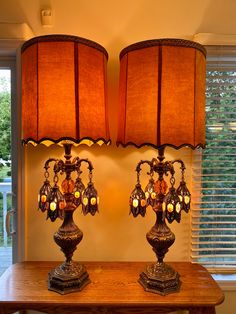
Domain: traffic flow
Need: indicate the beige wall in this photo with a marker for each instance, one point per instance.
(112, 234)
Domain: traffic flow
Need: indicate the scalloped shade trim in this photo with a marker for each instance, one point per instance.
(62, 141)
(64, 91)
(161, 146)
(162, 94)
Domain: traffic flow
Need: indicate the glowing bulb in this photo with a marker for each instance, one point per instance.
(153, 195)
(77, 194)
(93, 201)
(181, 198)
(170, 207)
(85, 201)
(53, 206)
(178, 207)
(186, 199)
(135, 203)
(147, 194)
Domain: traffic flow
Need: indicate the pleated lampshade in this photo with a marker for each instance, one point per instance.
(64, 89)
(162, 94)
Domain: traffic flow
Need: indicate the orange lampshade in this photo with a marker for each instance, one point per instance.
(162, 94)
(64, 90)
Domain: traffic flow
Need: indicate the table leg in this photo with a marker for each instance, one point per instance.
(6, 311)
(203, 310)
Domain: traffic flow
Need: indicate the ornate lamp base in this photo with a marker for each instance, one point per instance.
(160, 278)
(68, 277)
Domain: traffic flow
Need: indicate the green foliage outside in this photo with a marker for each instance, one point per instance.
(5, 120)
(219, 169)
(5, 171)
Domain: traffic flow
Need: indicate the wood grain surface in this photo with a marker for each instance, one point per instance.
(113, 289)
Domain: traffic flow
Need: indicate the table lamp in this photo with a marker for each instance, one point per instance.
(162, 97)
(64, 101)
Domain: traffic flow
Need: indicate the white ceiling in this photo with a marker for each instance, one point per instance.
(117, 23)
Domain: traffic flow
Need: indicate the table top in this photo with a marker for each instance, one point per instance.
(112, 283)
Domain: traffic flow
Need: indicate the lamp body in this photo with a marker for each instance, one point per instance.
(64, 101)
(160, 277)
(162, 103)
(70, 276)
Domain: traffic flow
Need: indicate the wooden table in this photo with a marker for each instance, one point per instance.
(114, 289)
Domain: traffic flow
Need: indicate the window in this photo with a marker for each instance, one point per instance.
(5, 165)
(213, 241)
(9, 61)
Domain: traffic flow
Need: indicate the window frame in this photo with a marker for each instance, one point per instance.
(10, 59)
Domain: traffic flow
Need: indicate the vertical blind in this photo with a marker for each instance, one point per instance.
(213, 220)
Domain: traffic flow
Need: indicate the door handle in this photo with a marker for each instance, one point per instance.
(10, 214)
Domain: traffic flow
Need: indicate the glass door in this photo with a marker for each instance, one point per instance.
(6, 195)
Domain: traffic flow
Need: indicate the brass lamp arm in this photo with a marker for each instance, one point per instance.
(79, 161)
(138, 167)
(46, 165)
(182, 167)
(75, 160)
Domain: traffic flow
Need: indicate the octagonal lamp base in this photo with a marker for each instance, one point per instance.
(68, 278)
(160, 278)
